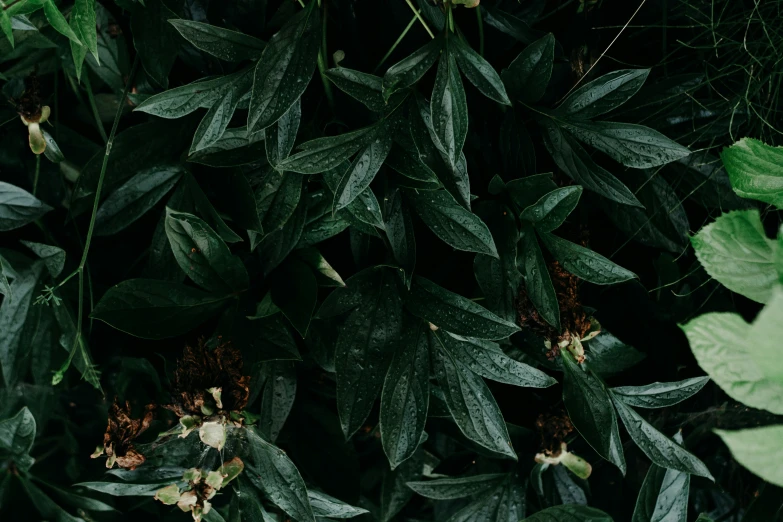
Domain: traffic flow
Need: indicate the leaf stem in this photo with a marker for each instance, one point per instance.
(37, 172)
(322, 63)
(480, 20)
(421, 19)
(396, 43)
(94, 107)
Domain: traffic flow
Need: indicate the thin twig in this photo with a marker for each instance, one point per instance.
(421, 19)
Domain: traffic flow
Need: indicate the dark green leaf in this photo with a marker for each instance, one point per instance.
(538, 282)
(584, 263)
(323, 271)
(509, 24)
(529, 189)
(663, 497)
(223, 43)
(326, 506)
(135, 197)
(453, 224)
(549, 212)
(362, 170)
(528, 75)
(409, 70)
(659, 394)
(217, 118)
(470, 402)
(58, 21)
(277, 197)
(6, 273)
(280, 137)
(449, 108)
(18, 207)
(322, 154)
(454, 313)
(285, 68)
(395, 493)
(602, 94)
(13, 314)
(405, 397)
(505, 503)
(153, 309)
(345, 299)
(607, 355)
(17, 434)
(120, 489)
(479, 72)
(156, 41)
(452, 488)
(53, 257)
(295, 291)
(590, 409)
(322, 228)
(278, 243)
(570, 514)
(516, 148)
(202, 255)
(399, 231)
(658, 447)
(208, 212)
(363, 87)
(499, 279)
(277, 397)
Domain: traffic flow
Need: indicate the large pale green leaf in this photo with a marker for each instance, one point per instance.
(584, 263)
(153, 309)
(285, 68)
(758, 449)
(590, 408)
(659, 394)
(755, 170)
(734, 250)
(528, 75)
(225, 44)
(602, 94)
(454, 313)
(18, 207)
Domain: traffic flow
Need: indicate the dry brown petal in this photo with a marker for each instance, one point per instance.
(552, 431)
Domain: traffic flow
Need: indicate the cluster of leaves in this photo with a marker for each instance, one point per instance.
(383, 275)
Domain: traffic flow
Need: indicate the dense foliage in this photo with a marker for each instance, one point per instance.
(396, 260)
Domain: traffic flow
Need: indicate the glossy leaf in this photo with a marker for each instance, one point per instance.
(18, 207)
(659, 394)
(363, 87)
(663, 497)
(58, 21)
(399, 230)
(509, 24)
(13, 313)
(549, 212)
(225, 44)
(505, 503)
(584, 263)
(454, 313)
(409, 70)
(528, 75)
(362, 170)
(52, 256)
(280, 137)
(277, 198)
(607, 355)
(602, 94)
(83, 25)
(156, 41)
(327, 506)
(453, 488)
(277, 397)
(758, 449)
(295, 291)
(479, 72)
(755, 170)
(499, 279)
(449, 107)
(322, 154)
(17, 433)
(569, 514)
(217, 118)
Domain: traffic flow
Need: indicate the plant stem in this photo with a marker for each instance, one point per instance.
(399, 39)
(37, 172)
(80, 270)
(480, 19)
(418, 15)
(322, 61)
(94, 107)
(450, 17)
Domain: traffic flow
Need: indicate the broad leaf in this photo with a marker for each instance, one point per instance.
(755, 170)
(362, 170)
(277, 397)
(758, 449)
(363, 87)
(549, 212)
(570, 514)
(153, 309)
(734, 250)
(663, 497)
(322, 154)
(399, 231)
(280, 137)
(499, 279)
(18, 433)
(454, 313)
(538, 282)
(13, 314)
(453, 488)
(156, 41)
(217, 118)
(409, 70)
(505, 503)
(18, 207)
(607, 355)
(602, 94)
(479, 72)
(223, 43)
(83, 25)
(277, 198)
(449, 107)
(325, 506)
(527, 190)
(510, 24)
(53, 257)
(528, 75)
(659, 394)
(58, 21)
(584, 263)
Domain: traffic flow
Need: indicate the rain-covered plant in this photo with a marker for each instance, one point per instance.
(270, 260)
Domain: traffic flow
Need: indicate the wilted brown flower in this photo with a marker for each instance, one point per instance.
(207, 381)
(29, 104)
(120, 432)
(552, 431)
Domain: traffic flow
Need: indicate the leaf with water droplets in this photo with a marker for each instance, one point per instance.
(225, 44)
(365, 207)
(399, 231)
(453, 488)
(322, 154)
(279, 138)
(405, 397)
(591, 411)
(363, 87)
(277, 197)
(454, 313)
(607, 355)
(570, 514)
(328, 506)
(479, 72)
(362, 170)
(528, 75)
(410, 69)
(552, 209)
(584, 263)
(660, 394)
(602, 94)
(449, 108)
(658, 447)
(217, 118)
(663, 497)
(395, 493)
(538, 282)
(470, 401)
(527, 190)
(499, 279)
(453, 224)
(505, 503)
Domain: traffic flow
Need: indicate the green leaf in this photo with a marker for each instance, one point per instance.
(280, 137)
(322, 154)
(516, 148)
(505, 503)
(365, 346)
(365, 88)
(509, 24)
(6, 273)
(59, 23)
(734, 250)
(409, 70)
(454, 313)
(120, 489)
(529, 189)
(453, 488)
(83, 25)
(569, 514)
(153, 309)
(277, 397)
(758, 449)
(538, 282)
(362, 170)
(135, 197)
(663, 497)
(53, 257)
(277, 198)
(155, 39)
(395, 493)
(295, 291)
(479, 72)
(631, 145)
(277, 244)
(18, 207)
(453, 224)
(741, 358)
(208, 212)
(281, 483)
(326, 506)
(607, 355)
(323, 271)
(659, 394)
(755, 170)
(17, 434)
(449, 107)
(584, 263)
(202, 255)
(499, 279)
(217, 118)
(549, 212)
(406, 393)
(52, 151)
(590, 409)
(6, 27)
(470, 401)
(659, 448)
(399, 230)
(527, 77)
(602, 94)
(13, 314)
(573, 159)
(285, 68)
(487, 359)
(322, 227)
(225, 44)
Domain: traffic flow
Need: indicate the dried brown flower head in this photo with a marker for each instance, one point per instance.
(29, 105)
(552, 431)
(208, 381)
(120, 433)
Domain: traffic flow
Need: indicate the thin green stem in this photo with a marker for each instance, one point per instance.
(322, 61)
(421, 19)
(399, 39)
(37, 172)
(94, 107)
(480, 19)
